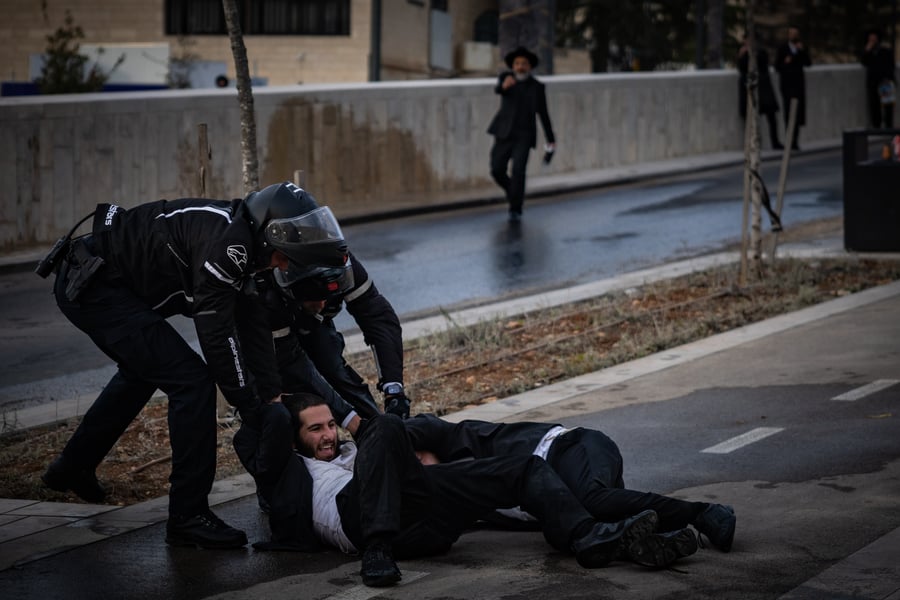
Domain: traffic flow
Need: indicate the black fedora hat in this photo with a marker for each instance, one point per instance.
(530, 56)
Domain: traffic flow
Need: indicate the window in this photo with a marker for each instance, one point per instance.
(260, 17)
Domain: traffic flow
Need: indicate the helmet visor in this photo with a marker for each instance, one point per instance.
(311, 239)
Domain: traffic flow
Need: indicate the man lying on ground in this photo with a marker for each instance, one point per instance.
(375, 496)
(587, 460)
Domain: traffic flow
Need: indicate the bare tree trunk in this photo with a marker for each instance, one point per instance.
(250, 167)
(754, 142)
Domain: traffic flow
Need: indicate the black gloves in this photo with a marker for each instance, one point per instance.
(398, 404)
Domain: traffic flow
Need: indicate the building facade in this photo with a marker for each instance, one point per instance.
(288, 41)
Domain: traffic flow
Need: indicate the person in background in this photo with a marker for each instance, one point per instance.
(514, 128)
(880, 81)
(790, 60)
(768, 103)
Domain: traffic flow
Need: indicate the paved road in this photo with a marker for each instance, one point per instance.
(459, 258)
(455, 259)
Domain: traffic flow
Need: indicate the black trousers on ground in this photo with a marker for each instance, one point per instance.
(516, 149)
(150, 355)
(590, 464)
(426, 509)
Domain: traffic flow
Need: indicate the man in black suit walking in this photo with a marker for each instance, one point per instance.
(514, 128)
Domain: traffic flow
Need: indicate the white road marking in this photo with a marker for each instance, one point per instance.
(745, 439)
(866, 390)
(361, 592)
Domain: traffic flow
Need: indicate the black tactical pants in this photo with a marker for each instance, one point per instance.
(150, 355)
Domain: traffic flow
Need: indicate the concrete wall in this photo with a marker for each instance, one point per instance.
(367, 148)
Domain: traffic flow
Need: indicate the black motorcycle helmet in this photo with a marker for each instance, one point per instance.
(287, 218)
(316, 283)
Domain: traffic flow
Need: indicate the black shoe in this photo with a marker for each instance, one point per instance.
(515, 216)
(205, 530)
(717, 522)
(378, 566)
(63, 476)
(778, 146)
(608, 541)
(662, 549)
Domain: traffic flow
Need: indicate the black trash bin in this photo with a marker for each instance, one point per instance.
(871, 191)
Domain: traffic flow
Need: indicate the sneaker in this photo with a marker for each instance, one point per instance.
(607, 541)
(717, 522)
(378, 566)
(205, 530)
(63, 476)
(662, 549)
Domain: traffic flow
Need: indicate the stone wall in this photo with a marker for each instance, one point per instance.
(365, 148)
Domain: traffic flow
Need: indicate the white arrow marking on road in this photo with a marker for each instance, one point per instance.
(866, 390)
(745, 439)
(361, 592)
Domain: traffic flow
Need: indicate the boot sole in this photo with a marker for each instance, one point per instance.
(641, 526)
(659, 551)
(381, 581)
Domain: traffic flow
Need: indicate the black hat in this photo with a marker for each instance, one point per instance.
(530, 56)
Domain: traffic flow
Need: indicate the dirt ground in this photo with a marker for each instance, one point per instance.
(485, 362)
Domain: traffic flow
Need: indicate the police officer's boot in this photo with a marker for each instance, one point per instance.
(205, 530)
(64, 475)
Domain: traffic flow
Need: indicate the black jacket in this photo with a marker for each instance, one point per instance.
(473, 439)
(879, 65)
(373, 313)
(768, 103)
(281, 477)
(792, 80)
(519, 104)
(193, 257)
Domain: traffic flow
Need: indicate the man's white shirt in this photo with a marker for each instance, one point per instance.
(329, 478)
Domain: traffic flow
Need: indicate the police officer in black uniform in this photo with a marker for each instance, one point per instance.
(191, 257)
(303, 303)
